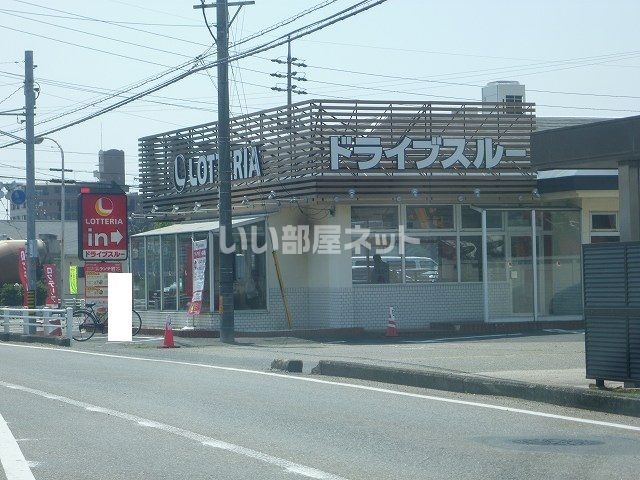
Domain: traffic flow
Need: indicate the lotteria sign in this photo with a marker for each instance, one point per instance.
(203, 170)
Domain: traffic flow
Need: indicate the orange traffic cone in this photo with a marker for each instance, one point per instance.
(168, 337)
(392, 331)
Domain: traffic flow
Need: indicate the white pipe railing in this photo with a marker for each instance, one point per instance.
(44, 318)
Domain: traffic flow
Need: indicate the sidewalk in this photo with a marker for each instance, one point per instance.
(548, 357)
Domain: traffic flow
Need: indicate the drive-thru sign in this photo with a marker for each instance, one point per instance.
(103, 226)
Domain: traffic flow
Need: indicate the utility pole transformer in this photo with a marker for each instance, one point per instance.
(32, 247)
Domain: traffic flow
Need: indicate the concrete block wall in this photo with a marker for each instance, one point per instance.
(331, 308)
(500, 299)
(415, 306)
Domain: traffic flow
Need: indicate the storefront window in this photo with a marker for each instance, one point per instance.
(249, 286)
(519, 218)
(137, 269)
(432, 260)
(153, 273)
(249, 275)
(471, 258)
(169, 280)
(472, 219)
(431, 217)
(374, 218)
(559, 265)
(377, 260)
(185, 277)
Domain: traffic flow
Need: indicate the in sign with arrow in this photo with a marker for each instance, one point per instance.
(103, 226)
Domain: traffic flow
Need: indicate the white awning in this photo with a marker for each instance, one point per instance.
(211, 226)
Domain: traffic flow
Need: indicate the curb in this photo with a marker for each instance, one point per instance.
(601, 401)
(320, 334)
(292, 366)
(18, 337)
(434, 330)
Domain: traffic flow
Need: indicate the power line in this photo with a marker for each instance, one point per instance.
(171, 14)
(11, 94)
(285, 22)
(104, 37)
(197, 59)
(418, 79)
(93, 19)
(71, 16)
(413, 50)
(83, 46)
(363, 87)
(273, 27)
(294, 35)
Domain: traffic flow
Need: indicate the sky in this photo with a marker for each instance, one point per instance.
(576, 58)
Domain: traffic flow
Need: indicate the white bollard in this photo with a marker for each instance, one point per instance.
(69, 325)
(46, 315)
(25, 323)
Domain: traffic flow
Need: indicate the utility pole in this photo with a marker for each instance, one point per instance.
(227, 323)
(225, 260)
(63, 220)
(290, 76)
(32, 247)
(62, 210)
(289, 82)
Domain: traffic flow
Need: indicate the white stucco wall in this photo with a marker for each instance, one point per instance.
(333, 270)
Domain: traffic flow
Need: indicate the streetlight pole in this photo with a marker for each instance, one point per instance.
(62, 209)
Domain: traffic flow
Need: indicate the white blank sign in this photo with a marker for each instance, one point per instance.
(120, 307)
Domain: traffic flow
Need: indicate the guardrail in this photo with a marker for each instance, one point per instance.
(37, 322)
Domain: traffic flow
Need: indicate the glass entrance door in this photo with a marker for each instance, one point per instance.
(511, 295)
(520, 274)
(544, 284)
(559, 265)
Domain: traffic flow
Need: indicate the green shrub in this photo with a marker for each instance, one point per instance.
(11, 295)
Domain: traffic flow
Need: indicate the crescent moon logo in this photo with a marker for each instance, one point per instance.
(104, 206)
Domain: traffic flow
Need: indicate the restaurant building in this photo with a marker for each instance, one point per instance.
(356, 206)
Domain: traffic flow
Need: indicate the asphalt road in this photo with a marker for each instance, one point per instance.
(155, 414)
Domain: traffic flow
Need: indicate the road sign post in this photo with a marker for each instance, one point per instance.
(102, 230)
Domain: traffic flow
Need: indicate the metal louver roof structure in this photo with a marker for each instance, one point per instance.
(295, 150)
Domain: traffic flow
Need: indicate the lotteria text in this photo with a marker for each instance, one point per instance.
(200, 171)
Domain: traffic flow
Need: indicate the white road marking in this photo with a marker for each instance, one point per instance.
(15, 465)
(472, 337)
(561, 330)
(287, 465)
(453, 401)
(134, 340)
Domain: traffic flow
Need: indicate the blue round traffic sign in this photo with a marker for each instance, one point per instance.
(18, 196)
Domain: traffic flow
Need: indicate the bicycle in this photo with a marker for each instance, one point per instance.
(87, 321)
